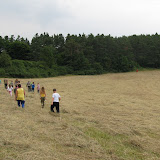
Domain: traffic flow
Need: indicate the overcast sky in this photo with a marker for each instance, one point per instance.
(114, 17)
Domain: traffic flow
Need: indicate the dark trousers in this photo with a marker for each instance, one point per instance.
(20, 102)
(42, 101)
(55, 104)
(5, 85)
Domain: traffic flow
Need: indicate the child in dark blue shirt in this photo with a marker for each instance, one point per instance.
(33, 86)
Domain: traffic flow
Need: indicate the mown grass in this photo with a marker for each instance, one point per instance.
(120, 145)
(104, 117)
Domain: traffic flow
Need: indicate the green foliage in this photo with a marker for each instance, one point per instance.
(2, 72)
(5, 60)
(98, 68)
(24, 69)
(47, 55)
(19, 50)
(90, 72)
(125, 64)
(83, 55)
(1, 43)
(61, 70)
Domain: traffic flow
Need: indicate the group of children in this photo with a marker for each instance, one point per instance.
(31, 87)
(9, 86)
(20, 93)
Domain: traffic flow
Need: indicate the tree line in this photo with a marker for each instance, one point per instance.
(48, 56)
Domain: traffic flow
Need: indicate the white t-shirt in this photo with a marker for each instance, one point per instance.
(56, 97)
(10, 89)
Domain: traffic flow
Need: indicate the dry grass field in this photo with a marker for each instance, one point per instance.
(103, 117)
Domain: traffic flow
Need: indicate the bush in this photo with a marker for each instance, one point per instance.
(98, 68)
(90, 72)
(2, 72)
(79, 73)
(62, 70)
(5, 60)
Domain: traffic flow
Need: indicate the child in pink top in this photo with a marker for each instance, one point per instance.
(38, 87)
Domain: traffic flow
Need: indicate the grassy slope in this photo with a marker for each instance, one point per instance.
(112, 116)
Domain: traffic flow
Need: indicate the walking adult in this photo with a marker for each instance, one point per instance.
(55, 101)
(19, 97)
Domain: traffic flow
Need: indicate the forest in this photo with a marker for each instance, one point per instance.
(50, 56)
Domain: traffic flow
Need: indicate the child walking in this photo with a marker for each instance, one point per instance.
(15, 89)
(11, 84)
(10, 88)
(38, 87)
(33, 85)
(5, 83)
(28, 85)
(55, 101)
(42, 96)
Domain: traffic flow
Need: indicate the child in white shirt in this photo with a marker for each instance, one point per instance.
(55, 101)
(10, 88)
